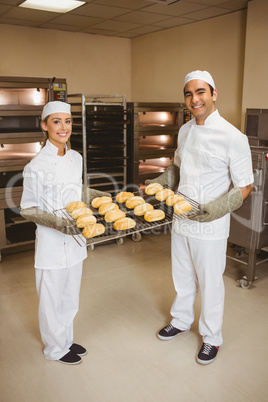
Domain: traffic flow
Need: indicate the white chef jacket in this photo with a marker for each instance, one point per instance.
(212, 159)
(50, 182)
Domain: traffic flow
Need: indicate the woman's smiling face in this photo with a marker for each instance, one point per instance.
(198, 100)
(59, 128)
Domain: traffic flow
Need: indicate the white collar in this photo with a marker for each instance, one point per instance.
(212, 118)
(52, 149)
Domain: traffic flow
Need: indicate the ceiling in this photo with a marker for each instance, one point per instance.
(120, 18)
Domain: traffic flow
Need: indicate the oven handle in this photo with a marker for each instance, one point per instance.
(264, 214)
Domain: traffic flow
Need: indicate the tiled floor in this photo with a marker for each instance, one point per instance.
(125, 299)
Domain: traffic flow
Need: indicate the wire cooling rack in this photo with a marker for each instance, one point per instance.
(141, 224)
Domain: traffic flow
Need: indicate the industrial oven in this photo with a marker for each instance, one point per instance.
(21, 103)
(152, 138)
(249, 224)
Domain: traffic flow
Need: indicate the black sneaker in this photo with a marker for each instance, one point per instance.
(70, 358)
(169, 332)
(207, 353)
(78, 349)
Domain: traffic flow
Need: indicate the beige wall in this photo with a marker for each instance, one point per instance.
(255, 89)
(151, 68)
(161, 60)
(91, 64)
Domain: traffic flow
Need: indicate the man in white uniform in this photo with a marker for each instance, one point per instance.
(213, 166)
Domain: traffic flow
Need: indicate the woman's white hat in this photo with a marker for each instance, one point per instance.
(55, 107)
(200, 75)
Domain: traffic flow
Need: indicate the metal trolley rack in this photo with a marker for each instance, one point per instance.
(99, 134)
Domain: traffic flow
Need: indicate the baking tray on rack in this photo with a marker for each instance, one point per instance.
(141, 224)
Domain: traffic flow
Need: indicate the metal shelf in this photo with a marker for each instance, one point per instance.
(93, 126)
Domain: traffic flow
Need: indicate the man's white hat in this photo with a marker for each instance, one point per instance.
(200, 75)
(55, 107)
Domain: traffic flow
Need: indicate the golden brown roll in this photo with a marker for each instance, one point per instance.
(98, 201)
(155, 215)
(114, 215)
(162, 195)
(81, 211)
(75, 205)
(93, 230)
(134, 201)
(106, 207)
(123, 196)
(173, 199)
(124, 224)
(85, 220)
(182, 207)
(153, 188)
(140, 210)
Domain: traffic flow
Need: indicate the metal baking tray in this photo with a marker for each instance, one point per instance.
(141, 224)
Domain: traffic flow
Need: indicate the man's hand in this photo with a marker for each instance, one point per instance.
(220, 207)
(170, 177)
(90, 193)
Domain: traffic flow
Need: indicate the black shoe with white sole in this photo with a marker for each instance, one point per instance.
(169, 332)
(78, 349)
(70, 358)
(207, 353)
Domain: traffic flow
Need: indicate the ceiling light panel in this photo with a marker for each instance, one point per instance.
(56, 6)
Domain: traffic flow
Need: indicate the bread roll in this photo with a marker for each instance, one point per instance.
(124, 224)
(153, 188)
(114, 215)
(173, 199)
(162, 195)
(98, 201)
(75, 205)
(108, 206)
(123, 196)
(134, 201)
(81, 211)
(140, 210)
(93, 230)
(182, 207)
(155, 215)
(85, 220)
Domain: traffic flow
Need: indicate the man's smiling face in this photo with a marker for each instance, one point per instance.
(198, 99)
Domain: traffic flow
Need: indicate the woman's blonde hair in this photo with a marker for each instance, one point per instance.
(43, 143)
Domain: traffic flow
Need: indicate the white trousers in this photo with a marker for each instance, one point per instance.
(199, 263)
(58, 291)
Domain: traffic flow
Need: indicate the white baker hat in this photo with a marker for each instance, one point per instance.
(200, 75)
(55, 107)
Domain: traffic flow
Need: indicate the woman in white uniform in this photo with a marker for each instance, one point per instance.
(213, 163)
(53, 179)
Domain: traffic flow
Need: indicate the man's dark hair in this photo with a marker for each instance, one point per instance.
(211, 89)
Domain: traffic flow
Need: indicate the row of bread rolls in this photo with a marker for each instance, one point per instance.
(84, 219)
(178, 202)
(142, 208)
(82, 215)
(112, 213)
(160, 193)
(124, 222)
(180, 205)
